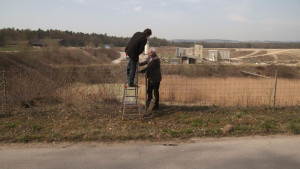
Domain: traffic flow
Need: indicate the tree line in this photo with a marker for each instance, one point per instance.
(78, 39)
(9, 36)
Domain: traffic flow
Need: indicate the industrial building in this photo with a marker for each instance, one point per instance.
(190, 55)
(219, 55)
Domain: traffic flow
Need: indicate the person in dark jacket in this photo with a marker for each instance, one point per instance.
(154, 77)
(134, 48)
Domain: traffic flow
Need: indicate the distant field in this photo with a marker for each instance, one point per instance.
(166, 51)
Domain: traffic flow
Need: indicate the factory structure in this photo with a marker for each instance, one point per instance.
(195, 55)
(219, 55)
(190, 55)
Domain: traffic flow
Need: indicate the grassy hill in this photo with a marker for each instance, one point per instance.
(32, 57)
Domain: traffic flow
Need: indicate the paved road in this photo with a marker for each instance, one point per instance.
(122, 57)
(275, 152)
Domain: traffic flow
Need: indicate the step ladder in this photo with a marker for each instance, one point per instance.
(130, 101)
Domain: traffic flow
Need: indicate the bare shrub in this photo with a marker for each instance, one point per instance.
(30, 88)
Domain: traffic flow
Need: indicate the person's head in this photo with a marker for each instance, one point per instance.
(152, 52)
(148, 32)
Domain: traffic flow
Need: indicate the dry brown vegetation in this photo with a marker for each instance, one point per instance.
(178, 90)
(38, 77)
(68, 95)
(56, 57)
(229, 91)
(182, 85)
(236, 53)
(259, 59)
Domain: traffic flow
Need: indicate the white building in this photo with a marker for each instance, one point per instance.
(224, 54)
(190, 55)
(219, 55)
(213, 55)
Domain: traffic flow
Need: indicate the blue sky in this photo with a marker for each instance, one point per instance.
(169, 19)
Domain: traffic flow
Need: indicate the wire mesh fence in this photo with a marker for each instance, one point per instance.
(104, 84)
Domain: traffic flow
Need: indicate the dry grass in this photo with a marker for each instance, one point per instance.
(79, 93)
(182, 90)
(174, 89)
(294, 53)
(259, 59)
(63, 75)
(86, 102)
(227, 91)
(235, 53)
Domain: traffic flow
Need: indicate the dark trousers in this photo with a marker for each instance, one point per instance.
(131, 69)
(151, 87)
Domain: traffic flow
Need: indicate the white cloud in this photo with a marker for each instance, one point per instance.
(132, 2)
(163, 4)
(61, 7)
(80, 1)
(137, 9)
(237, 18)
(190, 0)
(116, 8)
(274, 21)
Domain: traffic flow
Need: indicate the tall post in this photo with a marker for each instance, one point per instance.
(275, 89)
(5, 92)
(146, 97)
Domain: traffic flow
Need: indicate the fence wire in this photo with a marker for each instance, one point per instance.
(105, 84)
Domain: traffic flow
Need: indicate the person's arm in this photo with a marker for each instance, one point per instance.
(143, 63)
(152, 65)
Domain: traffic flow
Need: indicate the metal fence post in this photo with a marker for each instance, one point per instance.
(5, 92)
(275, 89)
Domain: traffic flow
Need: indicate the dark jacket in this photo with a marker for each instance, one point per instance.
(152, 69)
(136, 46)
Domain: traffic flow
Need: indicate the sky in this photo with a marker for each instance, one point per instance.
(243, 20)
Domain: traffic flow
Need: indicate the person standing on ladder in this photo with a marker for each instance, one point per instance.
(154, 77)
(134, 48)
